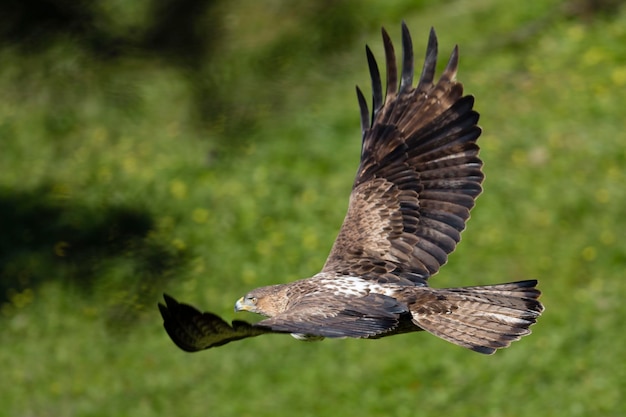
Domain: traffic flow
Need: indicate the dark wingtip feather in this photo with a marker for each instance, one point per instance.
(453, 64)
(169, 300)
(170, 313)
(165, 313)
(365, 117)
(390, 61)
(377, 88)
(406, 81)
(430, 62)
(171, 305)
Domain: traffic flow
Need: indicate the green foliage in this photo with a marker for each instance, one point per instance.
(111, 193)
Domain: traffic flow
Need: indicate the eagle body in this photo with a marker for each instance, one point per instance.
(349, 306)
(418, 179)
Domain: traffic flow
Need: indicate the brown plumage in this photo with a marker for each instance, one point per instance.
(417, 182)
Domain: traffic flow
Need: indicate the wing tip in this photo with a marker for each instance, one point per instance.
(365, 118)
(167, 308)
(430, 61)
(377, 89)
(390, 61)
(406, 79)
(171, 312)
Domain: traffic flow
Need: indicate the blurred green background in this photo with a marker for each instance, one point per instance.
(203, 148)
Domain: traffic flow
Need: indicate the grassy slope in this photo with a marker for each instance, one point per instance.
(552, 109)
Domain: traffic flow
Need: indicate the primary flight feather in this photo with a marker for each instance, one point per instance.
(417, 181)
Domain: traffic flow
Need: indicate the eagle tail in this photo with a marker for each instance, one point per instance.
(484, 318)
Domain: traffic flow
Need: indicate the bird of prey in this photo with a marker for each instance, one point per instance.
(417, 181)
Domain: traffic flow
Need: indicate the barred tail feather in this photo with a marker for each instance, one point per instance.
(482, 319)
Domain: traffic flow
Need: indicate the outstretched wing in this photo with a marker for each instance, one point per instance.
(192, 330)
(369, 316)
(419, 174)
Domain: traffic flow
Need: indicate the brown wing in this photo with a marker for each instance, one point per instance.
(363, 317)
(328, 315)
(419, 173)
(192, 330)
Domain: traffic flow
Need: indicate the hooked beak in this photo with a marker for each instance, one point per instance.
(242, 305)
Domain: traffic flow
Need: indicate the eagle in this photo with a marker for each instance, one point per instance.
(418, 179)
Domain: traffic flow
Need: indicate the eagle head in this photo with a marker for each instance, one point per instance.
(267, 301)
(247, 303)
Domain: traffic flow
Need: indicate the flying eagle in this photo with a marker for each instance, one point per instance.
(417, 182)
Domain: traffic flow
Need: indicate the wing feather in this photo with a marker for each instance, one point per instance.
(191, 330)
(392, 70)
(430, 62)
(377, 88)
(336, 316)
(365, 117)
(406, 81)
(419, 174)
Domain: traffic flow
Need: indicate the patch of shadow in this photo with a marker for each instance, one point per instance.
(44, 237)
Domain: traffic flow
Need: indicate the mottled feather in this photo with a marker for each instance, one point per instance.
(329, 315)
(419, 173)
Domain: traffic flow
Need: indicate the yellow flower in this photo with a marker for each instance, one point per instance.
(178, 189)
(589, 253)
(200, 215)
